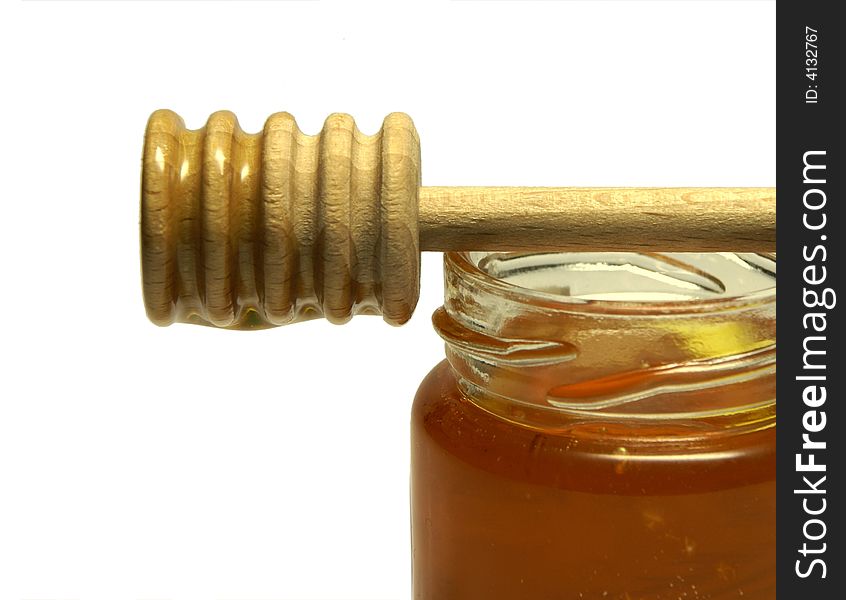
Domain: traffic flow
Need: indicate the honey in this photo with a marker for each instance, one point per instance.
(603, 429)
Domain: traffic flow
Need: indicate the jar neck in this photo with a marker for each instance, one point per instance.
(551, 340)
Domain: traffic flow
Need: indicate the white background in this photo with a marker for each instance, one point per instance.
(146, 463)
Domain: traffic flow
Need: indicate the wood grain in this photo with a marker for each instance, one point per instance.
(247, 230)
(597, 219)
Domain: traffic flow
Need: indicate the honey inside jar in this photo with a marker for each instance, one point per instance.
(603, 428)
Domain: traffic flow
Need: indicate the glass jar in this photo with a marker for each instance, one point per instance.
(603, 428)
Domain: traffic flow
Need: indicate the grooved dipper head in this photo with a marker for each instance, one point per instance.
(256, 230)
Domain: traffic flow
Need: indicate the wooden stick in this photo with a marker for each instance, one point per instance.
(597, 219)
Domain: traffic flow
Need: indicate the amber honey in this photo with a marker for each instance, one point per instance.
(581, 449)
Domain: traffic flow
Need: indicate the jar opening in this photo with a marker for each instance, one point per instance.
(613, 336)
(627, 281)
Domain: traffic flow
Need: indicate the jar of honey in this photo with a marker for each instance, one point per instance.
(603, 429)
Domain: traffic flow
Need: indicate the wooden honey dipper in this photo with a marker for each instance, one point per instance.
(250, 230)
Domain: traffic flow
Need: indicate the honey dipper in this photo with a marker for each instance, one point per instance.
(249, 230)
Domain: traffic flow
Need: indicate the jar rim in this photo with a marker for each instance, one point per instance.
(467, 268)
